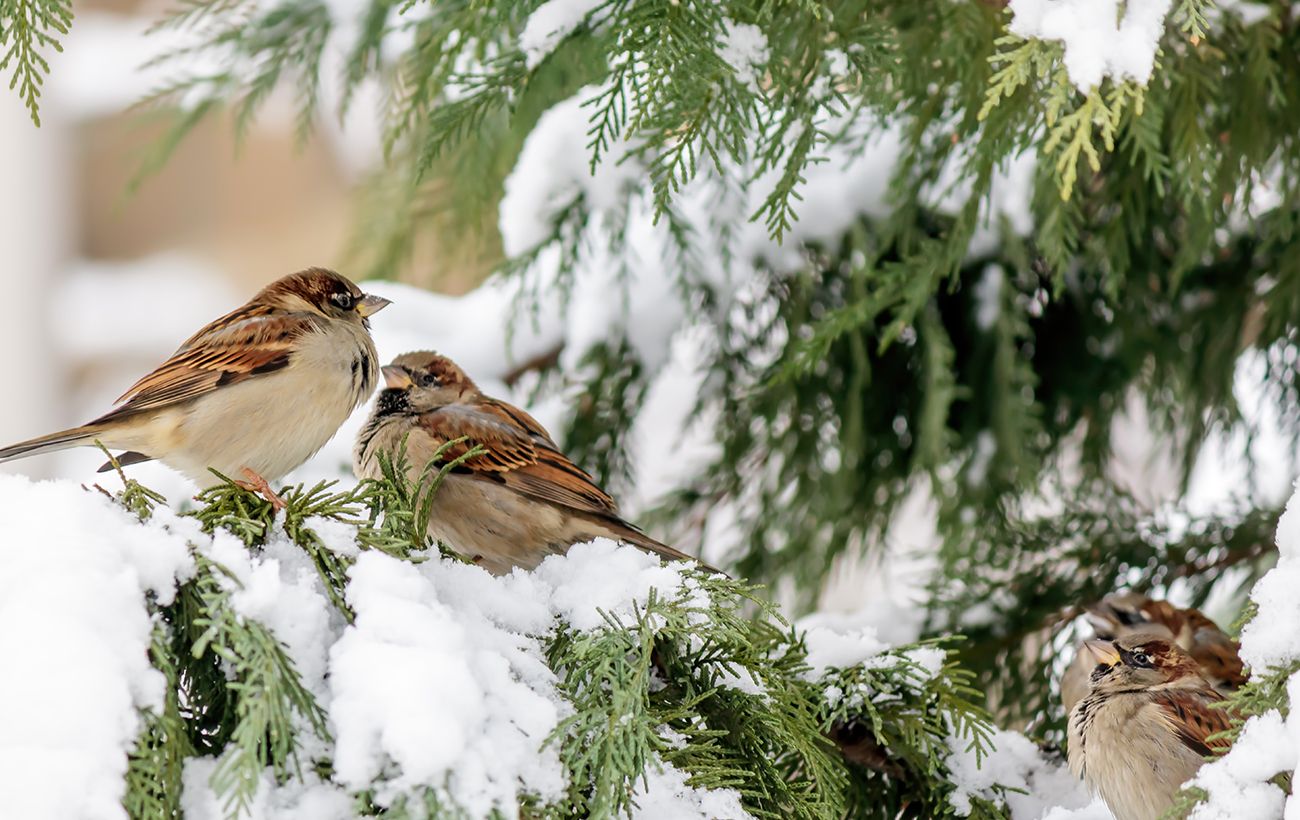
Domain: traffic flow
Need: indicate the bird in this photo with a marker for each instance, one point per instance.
(1145, 726)
(1123, 613)
(254, 393)
(518, 500)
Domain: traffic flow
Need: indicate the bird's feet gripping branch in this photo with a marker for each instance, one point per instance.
(255, 483)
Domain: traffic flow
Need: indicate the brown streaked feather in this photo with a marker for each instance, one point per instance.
(1189, 714)
(550, 476)
(518, 416)
(504, 447)
(554, 478)
(529, 464)
(248, 342)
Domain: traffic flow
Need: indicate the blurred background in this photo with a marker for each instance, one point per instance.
(115, 259)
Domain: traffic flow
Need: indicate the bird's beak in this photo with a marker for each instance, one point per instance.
(396, 377)
(371, 304)
(1103, 652)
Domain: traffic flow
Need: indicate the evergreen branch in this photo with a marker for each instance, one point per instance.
(28, 27)
(266, 688)
(154, 769)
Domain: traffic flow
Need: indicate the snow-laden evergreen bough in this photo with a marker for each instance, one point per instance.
(330, 662)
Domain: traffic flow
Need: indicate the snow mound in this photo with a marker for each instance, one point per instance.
(74, 638)
(1016, 763)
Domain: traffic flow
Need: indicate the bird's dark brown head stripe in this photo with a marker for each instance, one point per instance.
(429, 369)
(318, 286)
(323, 291)
(1157, 653)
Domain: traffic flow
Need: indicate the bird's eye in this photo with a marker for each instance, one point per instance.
(1141, 659)
(344, 300)
(427, 379)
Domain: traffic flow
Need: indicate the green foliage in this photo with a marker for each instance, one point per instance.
(615, 389)
(638, 686)
(265, 688)
(28, 28)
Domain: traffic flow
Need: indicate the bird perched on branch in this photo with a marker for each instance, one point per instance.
(255, 393)
(510, 505)
(1124, 613)
(1145, 726)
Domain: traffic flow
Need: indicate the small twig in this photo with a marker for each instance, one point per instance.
(541, 361)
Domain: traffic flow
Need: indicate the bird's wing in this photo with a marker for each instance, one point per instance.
(517, 452)
(246, 343)
(1189, 714)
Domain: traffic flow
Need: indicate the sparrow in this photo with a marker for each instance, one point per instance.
(1144, 727)
(1123, 613)
(256, 392)
(511, 505)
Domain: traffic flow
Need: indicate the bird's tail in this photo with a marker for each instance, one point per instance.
(61, 440)
(631, 535)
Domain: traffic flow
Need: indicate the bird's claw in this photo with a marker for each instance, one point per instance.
(256, 484)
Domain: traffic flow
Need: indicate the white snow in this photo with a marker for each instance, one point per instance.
(440, 683)
(604, 577)
(1238, 784)
(1271, 639)
(552, 171)
(665, 795)
(281, 589)
(744, 48)
(988, 296)
(1101, 37)
(306, 799)
(550, 24)
(838, 643)
(427, 695)
(74, 638)
(1017, 764)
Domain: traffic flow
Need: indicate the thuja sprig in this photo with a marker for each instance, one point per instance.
(267, 689)
(400, 506)
(134, 496)
(153, 776)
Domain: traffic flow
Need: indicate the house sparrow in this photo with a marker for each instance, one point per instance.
(256, 392)
(510, 506)
(1144, 727)
(1124, 613)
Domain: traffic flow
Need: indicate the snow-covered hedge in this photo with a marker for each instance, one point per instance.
(328, 662)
